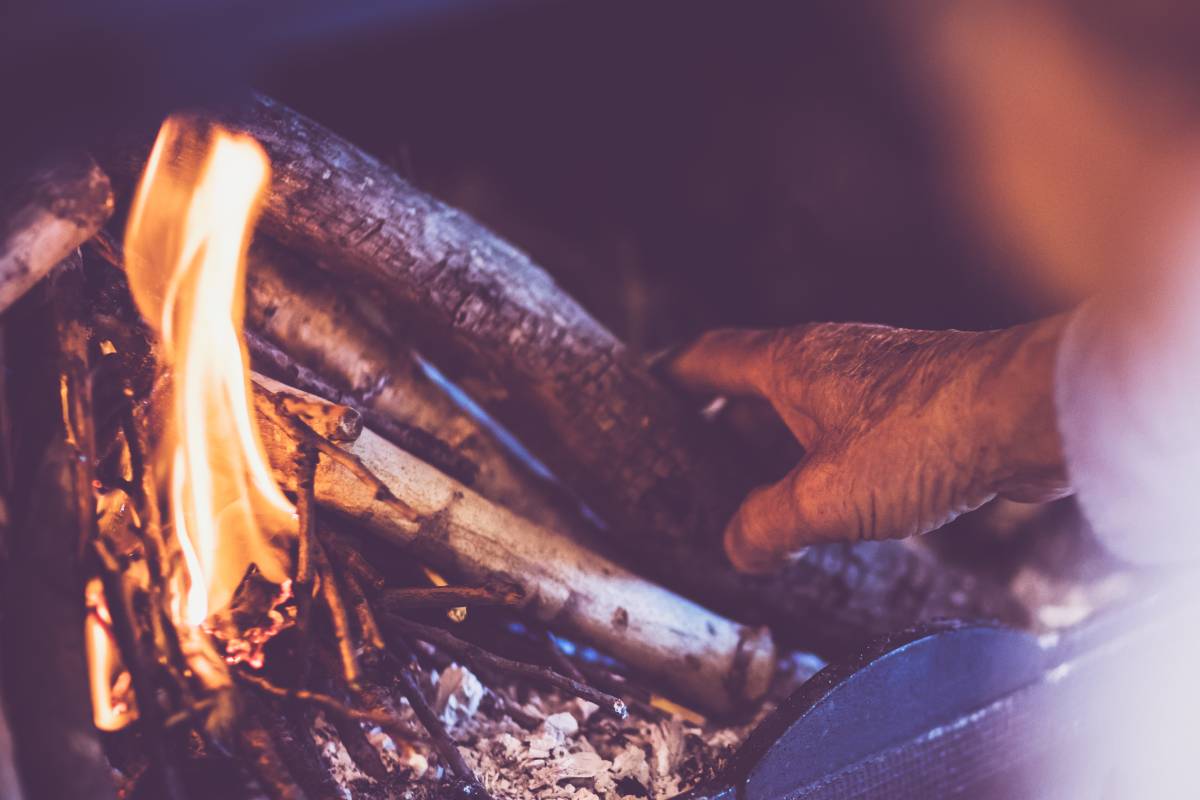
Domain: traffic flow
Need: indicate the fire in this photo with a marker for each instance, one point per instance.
(185, 248)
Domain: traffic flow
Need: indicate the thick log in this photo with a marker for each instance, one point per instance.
(542, 365)
(44, 215)
(706, 658)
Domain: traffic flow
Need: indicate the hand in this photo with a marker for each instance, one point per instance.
(903, 430)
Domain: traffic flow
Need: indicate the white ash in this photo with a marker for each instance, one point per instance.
(575, 753)
(458, 695)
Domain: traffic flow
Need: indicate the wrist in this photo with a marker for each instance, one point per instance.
(1016, 393)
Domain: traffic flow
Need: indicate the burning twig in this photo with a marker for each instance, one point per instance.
(337, 423)
(475, 654)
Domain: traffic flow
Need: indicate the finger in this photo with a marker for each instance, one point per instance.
(811, 505)
(764, 533)
(727, 361)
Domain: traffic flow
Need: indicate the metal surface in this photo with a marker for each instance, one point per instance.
(969, 710)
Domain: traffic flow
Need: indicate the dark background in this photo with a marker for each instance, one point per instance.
(677, 165)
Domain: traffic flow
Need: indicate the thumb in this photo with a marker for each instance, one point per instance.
(726, 361)
(775, 523)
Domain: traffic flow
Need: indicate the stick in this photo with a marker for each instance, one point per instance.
(711, 661)
(388, 722)
(337, 616)
(257, 747)
(475, 654)
(446, 747)
(298, 752)
(337, 423)
(372, 637)
(327, 332)
(44, 215)
(397, 600)
(570, 391)
(272, 361)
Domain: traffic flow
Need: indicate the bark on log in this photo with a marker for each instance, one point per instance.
(543, 366)
(44, 215)
(300, 311)
(708, 659)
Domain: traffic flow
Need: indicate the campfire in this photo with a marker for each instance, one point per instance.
(346, 497)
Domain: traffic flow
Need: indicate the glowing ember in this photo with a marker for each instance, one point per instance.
(185, 249)
(112, 698)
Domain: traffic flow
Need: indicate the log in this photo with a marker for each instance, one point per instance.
(328, 333)
(46, 213)
(57, 748)
(569, 389)
(709, 660)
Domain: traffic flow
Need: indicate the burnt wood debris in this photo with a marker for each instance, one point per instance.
(367, 298)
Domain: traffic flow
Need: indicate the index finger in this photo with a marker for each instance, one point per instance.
(726, 361)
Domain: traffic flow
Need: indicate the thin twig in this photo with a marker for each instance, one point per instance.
(564, 664)
(474, 653)
(120, 608)
(306, 466)
(397, 600)
(389, 722)
(354, 563)
(336, 607)
(445, 746)
(260, 748)
(276, 408)
(372, 636)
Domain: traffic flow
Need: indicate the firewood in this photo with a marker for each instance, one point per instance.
(570, 390)
(57, 748)
(449, 596)
(478, 656)
(44, 215)
(335, 422)
(326, 332)
(706, 658)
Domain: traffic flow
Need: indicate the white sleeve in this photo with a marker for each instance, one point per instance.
(1127, 390)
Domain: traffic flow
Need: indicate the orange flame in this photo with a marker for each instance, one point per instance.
(185, 248)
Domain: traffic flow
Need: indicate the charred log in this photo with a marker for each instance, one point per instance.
(44, 215)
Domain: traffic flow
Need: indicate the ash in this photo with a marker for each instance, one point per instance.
(574, 752)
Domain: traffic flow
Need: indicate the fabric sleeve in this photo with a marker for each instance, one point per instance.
(1127, 392)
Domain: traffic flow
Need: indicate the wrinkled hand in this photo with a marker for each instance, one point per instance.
(903, 430)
